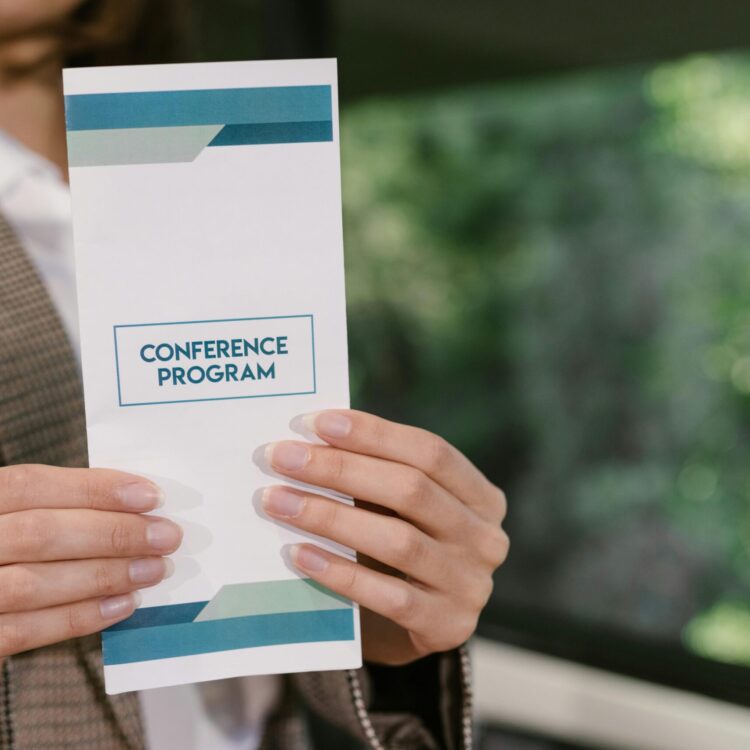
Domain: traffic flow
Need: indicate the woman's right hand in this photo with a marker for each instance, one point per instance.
(74, 550)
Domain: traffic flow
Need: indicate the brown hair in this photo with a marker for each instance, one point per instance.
(126, 32)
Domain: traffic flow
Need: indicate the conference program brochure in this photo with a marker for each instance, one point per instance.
(209, 255)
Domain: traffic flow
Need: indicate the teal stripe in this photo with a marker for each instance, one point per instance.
(270, 597)
(168, 641)
(274, 132)
(96, 148)
(154, 109)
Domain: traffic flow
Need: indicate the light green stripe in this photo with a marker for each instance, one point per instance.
(96, 148)
(270, 597)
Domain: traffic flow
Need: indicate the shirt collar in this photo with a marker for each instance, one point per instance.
(18, 162)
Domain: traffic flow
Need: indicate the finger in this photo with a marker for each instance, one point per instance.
(405, 604)
(36, 486)
(44, 535)
(373, 436)
(24, 631)
(401, 488)
(32, 586)
(390, 540)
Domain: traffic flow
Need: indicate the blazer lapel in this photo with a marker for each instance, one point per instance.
(41, 411)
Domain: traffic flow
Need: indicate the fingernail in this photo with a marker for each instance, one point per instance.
(116, 607)
(140, 496)
(148, 570)
(309, 558)
(287, 456)
(279, 501)
(163, 535)
(328, 424)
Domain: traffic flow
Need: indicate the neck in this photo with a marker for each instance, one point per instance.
(32, 111)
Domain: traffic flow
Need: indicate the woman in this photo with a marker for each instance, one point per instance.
(75, 546)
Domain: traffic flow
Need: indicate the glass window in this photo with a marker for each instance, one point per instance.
(555, 274)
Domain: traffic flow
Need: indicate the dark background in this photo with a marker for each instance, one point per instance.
(392, 46)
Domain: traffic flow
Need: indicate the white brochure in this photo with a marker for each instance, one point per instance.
(207, 222)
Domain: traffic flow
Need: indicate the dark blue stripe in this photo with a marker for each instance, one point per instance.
(147, 644)
(274, 132)
(154, 109)
(168, 614)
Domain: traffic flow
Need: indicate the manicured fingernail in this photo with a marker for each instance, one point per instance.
(309, 558)
(287, 456)
(279, 501)
(148, 570)
(116, 607)
(328, 424)
(163, 535)
(140, 496)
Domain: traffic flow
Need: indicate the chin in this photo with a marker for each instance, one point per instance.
(28, 54)
(27, 17)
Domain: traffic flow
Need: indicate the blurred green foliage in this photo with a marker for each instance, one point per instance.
(722, 633)
(555, 275)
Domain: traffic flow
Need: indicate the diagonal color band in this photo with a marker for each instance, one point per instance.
(96, 148)
(158, 109)
(269, 597)
(167, 614)
(186, 639)
(274, 132)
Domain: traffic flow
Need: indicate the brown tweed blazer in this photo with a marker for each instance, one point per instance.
(53, 698)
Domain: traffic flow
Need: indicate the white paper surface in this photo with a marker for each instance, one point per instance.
(182, 240)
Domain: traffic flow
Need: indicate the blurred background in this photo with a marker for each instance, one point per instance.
(547, 229)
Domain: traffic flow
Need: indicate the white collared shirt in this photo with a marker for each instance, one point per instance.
(35, 201)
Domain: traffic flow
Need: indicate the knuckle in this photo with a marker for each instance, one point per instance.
(105, 582)
(16, 590)
(503, 548)
(437, 452)
(74, 622)
(402, 603)
(502, 502)
(462, 630)
(333, 464)
(406, 544)
(90, 490)
(415, 486)
(32, 532)
(481, 592)
(349, 579)
(13, 638)
(15, 482)
(121, 538)
(466, 628)
(505, 545)
(489, 587)
(328, 516)
(379, 435)
(496, 546)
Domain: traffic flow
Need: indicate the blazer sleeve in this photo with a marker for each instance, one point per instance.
(425, 705)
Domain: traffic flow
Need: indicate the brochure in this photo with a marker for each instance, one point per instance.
(209, 253)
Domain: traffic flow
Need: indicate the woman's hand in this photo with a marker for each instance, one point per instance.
(74, 549)
(427, 529)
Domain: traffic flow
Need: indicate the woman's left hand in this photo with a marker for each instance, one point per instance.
(426, 527)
